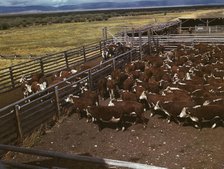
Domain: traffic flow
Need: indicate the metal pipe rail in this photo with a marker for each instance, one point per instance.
(78, 158)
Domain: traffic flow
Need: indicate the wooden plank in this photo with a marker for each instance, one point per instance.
(11, 139)
(18, 122)
(12, 164)
(27, 69)
(58, 112)
(33, 124)
(94, 160)
(84, 53)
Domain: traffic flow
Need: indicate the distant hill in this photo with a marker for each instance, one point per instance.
(107, 5)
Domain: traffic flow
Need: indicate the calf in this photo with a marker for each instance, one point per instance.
(105, 114)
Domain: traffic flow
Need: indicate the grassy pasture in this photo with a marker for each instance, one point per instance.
(40, 40)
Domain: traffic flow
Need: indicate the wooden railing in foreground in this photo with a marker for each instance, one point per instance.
(9, 77)
(24, 116)
(73, 159)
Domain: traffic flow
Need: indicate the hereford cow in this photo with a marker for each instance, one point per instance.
(102, 88)
(105, 114)
(81, 103)
(199, 114)
(36, 83)
(130, 108)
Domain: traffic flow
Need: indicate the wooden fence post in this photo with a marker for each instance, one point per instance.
(100, 47)
(149, 41)
(84, 53)
(66, 59)
(114, 64)
(130, 56)
(132, 37)
(18, 122)
(58, 112)
(90, 82)
(11, 77)
(157, 45)
(105, 29)
(140, 44)
(103, 34)
(41, 66)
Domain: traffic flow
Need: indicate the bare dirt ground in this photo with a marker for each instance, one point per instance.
(160, 144)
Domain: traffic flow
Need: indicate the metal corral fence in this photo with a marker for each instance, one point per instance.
(9, 77)
(62, 160)
(203, 29)
(24, 116)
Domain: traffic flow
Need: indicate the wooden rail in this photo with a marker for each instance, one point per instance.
(76, 158)
(24, 116)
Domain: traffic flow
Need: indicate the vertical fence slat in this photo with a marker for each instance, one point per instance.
(149, 41)
(105, 33)
(140, 44)
(41, 65)
(66, 59)
(11, 76)
(100, 47)
(58, 112)
(114, 64)
(19, 128)
(132, 37)
(90, 79)
(84, 53)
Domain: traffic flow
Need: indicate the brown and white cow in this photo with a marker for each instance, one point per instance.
(106, 114)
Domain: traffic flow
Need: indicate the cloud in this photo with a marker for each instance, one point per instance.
(50, 2)
(32, 2)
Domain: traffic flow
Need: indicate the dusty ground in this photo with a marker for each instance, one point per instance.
(160, 144)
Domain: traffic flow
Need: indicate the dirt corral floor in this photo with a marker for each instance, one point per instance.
(160, 144)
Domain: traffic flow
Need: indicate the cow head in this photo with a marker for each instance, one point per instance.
(111, 103)
(23, 79)
(69, 99)
(143, 96)
(28, 88)
(157, 107)
(43, 86)
(184, 113)
(73, 71)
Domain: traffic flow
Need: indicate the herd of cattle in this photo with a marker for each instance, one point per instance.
(185, 85)
(114, 49)
(38, 82)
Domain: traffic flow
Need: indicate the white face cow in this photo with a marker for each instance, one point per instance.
(183, 113)
(69, 98)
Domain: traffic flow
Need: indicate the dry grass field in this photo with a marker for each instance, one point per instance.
(39, 40)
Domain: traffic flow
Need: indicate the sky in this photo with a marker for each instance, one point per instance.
(50, 2)
(72, 2)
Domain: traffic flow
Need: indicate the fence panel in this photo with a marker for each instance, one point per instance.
(28, 114)
(37, 112)
(8, 130)
(9, 77)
